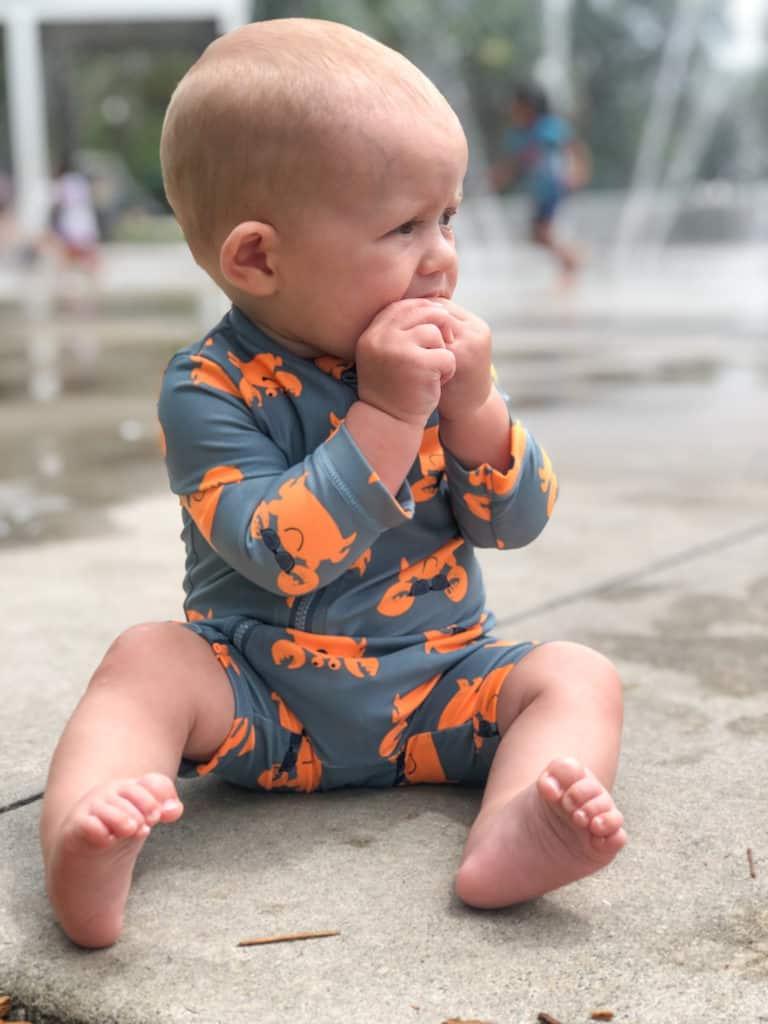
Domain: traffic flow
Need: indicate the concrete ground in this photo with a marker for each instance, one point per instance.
(651, 398)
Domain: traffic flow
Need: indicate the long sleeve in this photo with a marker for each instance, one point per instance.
(504, 510)
(289, 527)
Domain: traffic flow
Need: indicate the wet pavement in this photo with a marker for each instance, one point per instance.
(650, 395)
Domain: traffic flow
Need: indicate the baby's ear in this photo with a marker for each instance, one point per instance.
(247, 258)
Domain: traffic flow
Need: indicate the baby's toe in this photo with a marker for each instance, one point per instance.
(169, 807)
(90, 830)
(582, 793)
(118, 815)
(606, 823)
(598, 804)
(159, 785)
(145, 802)
(566, 771)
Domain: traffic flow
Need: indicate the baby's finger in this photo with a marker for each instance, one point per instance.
(427, 336)
(408, 313)
(441, 361)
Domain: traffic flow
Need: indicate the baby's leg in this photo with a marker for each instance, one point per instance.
(547, 816)
(158, 694)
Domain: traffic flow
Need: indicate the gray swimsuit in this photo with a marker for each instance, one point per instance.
(351, 623)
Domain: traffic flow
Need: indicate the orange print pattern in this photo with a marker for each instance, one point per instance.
(402, 709)
(422, 761)
(475, 700)
(262, 377)
(195, 616)
(438, 572)
(431, 464)
(332, 365)
(214, 376)
(224, 657)
(362, 562)
(241, 738)
(442, 641)
(202, 504)
(335, 422)
(301, 533)
(548, 482)
(300, 769)
(324, 651)
(493, 481)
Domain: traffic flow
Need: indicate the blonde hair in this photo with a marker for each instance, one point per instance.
(269, 103)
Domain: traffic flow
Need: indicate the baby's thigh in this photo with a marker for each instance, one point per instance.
(455, 733)
(171, 673)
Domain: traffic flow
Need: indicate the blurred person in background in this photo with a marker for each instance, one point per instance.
(7, 220)
(540, 148)
(74, 225)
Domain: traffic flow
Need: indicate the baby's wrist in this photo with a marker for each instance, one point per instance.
(393, 417)
(456, 410)
(395, 428)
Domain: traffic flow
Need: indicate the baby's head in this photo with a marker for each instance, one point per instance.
(284, 142)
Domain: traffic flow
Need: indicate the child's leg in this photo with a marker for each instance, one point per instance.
(568, 257)
(547, 817)
(158, 694)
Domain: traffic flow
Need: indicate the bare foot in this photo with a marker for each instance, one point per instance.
(561, 828)
(91, 862)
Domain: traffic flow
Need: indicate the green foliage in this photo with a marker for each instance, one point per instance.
(144, 82)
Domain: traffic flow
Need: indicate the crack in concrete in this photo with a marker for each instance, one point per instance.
(21, 802)
(624, 579)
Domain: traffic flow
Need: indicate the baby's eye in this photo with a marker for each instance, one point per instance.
(408, 228)
(447, 216)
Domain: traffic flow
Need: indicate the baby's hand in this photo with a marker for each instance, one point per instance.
(403, 360)
(470, 386)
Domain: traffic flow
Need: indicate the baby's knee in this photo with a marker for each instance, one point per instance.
(587, 674)
(570, 672)
(135, 651)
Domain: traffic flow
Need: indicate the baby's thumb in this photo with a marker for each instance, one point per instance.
(445, 362)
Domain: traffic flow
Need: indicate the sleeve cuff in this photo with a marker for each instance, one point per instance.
(358, 484)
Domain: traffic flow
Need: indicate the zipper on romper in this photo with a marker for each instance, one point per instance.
(301, 611)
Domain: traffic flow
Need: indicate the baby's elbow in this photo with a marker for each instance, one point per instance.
(521, 532)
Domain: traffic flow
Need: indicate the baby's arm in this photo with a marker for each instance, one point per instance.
(474, 420)
(288, 526)
(501, 482)
(402, 364)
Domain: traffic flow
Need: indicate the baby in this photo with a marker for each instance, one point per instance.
(339, 449)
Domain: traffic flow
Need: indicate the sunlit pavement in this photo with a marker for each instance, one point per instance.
(649, 391)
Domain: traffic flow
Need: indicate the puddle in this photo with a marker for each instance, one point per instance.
(93, 441)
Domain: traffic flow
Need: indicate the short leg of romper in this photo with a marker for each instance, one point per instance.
(267, 746)
(454, 735)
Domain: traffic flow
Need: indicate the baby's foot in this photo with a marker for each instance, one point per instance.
(91, 864)
(561, 828)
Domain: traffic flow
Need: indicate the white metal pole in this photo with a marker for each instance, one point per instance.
(26, 112)
(232, 14)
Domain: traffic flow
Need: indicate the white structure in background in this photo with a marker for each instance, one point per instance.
(553, 69)
(22, 21)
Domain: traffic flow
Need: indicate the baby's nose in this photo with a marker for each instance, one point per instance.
(439, 256)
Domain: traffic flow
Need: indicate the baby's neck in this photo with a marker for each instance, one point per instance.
(293, 344)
